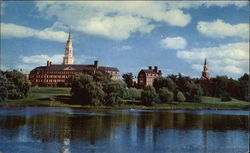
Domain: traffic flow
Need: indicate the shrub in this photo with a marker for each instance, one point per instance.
(165, 95)
(115, 92)
(16, 84)
(149, 96)
(133, 94)
(180, 97)
(225, 96)
(197, 98)
(85, 91)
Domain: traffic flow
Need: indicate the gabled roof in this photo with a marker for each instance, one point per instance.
(148, 71)
(76, 67)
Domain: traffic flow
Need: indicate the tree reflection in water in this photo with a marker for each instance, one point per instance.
(124, 131)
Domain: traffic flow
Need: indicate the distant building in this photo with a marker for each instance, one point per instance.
(57, 74)
(146, 76)
(205, 73)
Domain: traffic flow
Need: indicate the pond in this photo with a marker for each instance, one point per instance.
(67, 130)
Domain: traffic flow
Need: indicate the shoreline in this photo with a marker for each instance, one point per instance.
(60, 97)
(139, 107)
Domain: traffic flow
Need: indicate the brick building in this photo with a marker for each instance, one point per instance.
(146, 76)
(56, 74)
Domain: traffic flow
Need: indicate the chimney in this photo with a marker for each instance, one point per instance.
(49, 63)
(156, 69)
(96, 64)
(150, 67)
(160, 73)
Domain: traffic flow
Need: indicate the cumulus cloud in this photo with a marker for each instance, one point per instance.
(42, 59)
(9, 30)
(113, 20)
(30, 62)
(173, 43)
(228, 59)
(221, 29)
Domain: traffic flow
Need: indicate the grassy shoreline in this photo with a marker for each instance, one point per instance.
(59, 97)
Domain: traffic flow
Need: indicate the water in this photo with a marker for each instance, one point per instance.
(66, 130)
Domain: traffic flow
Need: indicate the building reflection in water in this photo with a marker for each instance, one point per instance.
(124, 132)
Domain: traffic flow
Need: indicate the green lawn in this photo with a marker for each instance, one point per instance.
(60, 97)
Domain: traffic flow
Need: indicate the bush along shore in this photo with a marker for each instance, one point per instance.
(61, 97)
(99, 91)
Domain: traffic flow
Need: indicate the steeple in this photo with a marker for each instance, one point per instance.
(68, 57)
(205, 73)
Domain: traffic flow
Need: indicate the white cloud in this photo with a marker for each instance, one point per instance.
(30, 62)
(221, 29)
(197, 4)
(9, 30)
(42, 59)
(228, 59)
(123, 48)
(173, 43)
(113, 20)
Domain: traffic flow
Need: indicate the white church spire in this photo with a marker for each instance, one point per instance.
(68, 57)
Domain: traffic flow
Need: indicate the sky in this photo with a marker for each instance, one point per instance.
(175, 36)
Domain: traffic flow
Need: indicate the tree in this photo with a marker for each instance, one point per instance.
(165, 95)
(128, 79)
(180, 97)
(115, 92)
(134, 94)
(16, 84)
(149, 96)
(85, 91)
(225, 96)
(161, 82)
(3, 89)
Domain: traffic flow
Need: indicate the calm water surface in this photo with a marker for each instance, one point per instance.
(66, 130)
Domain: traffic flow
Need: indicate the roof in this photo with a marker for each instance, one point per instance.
(149, 71)
(76, 67)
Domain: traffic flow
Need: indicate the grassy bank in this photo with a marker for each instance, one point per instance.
(60, 97)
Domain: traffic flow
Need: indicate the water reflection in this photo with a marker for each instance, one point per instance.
(76, 130)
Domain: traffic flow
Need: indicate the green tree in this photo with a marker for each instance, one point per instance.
(3, 89)
(85, 91)
(149, 96)
(17, 84)
(180, 97)
(165, 95)
(225, 96)
(115, 93)
(161, 82)
(134, 94)
(128, 79)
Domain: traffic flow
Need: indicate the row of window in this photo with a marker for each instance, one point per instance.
(152, 74)
(50, 80)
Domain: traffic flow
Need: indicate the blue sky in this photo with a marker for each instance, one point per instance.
(175, 36)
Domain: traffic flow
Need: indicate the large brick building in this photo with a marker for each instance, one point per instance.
(146, 76)
(56, 74)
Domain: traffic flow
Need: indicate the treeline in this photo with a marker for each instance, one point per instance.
(224, 87)
(183, 88)
(13, 85)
